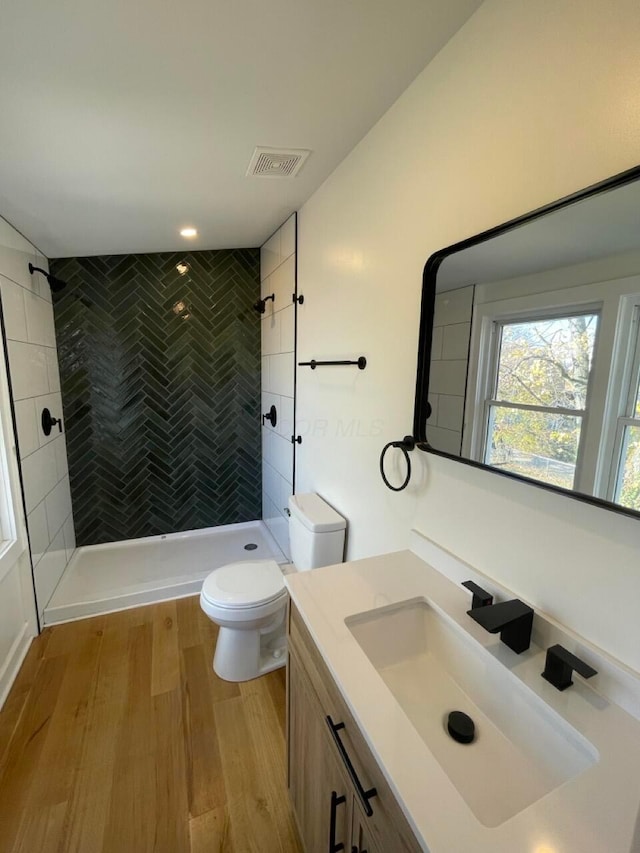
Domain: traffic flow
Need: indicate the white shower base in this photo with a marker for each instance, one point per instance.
(104, 578)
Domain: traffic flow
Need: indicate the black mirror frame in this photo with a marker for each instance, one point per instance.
(422, 408)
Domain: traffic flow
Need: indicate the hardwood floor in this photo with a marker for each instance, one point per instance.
(118, 737)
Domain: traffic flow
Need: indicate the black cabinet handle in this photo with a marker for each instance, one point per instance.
(363, 796)
(335, 802)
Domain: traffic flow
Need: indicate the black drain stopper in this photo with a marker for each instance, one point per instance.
(250, 547)
(461, 727)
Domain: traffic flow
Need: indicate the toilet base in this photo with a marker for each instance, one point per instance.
(242, 655)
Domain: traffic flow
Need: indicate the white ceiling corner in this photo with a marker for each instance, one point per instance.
(121, 123)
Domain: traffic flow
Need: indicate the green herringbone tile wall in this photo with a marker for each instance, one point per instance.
(160, 378)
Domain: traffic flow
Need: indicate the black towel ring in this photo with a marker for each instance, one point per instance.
(408, 443)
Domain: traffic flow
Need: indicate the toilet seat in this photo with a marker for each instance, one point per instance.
(246, 584)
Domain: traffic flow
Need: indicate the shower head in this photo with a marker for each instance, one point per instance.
(261, 305)
(55, 284)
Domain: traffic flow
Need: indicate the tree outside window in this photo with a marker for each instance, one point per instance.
(542, 370)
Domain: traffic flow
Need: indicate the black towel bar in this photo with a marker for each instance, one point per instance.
(361, 362)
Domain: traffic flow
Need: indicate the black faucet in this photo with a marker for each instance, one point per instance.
(513, 619)
(560, 664)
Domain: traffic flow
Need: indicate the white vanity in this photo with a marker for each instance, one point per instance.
(381, 650)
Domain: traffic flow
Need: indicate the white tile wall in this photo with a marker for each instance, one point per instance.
(58, 507)
(453, 306)
(281, 283)
(39, 315)
(28, 364)
(281, 455)
(38, 532)
(69, 533)
(436, 342)
(270, 255)
(449, 357)
(39, 475)
(278, 265)
(450, 411)
(285, 418)
(13, 307)
(448, 377)
(33, 365)
(287, 329)
(27, 426)
(50, 568)
(288, 238)
(281, 374)
(270, 328)
(455, 341)
(53, 371)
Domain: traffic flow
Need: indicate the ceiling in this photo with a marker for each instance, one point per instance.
(120, 122)
(601, 226)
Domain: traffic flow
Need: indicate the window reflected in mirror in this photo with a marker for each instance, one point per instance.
(534, 363)
(540, 380)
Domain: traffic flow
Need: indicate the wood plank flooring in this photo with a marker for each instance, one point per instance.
(118, 737)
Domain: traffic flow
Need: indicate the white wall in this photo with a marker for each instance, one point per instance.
(530, 101)
(278, 277)
(33, 363)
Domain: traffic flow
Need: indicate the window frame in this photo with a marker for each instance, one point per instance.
(490, 401)
(621, 411)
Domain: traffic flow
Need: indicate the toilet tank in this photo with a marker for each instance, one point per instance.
(316, 532)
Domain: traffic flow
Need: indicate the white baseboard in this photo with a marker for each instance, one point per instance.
(13, 662)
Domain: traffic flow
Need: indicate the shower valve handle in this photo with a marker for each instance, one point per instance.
(48, 422)
(271, 416)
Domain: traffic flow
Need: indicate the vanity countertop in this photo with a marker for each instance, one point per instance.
(597, 811)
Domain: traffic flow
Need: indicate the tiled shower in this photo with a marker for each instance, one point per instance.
(160, 371)
(159, 368)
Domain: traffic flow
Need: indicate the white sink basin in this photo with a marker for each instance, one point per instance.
(522, 748)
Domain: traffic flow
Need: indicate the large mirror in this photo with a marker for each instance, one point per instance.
(529, 358)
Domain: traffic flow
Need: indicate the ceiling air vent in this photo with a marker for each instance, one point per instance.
(277, 162)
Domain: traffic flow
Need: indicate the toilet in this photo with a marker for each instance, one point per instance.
(248, 599)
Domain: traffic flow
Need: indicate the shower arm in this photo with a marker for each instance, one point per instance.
(261, 305)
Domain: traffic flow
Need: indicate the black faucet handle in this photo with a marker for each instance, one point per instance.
(560, 664)
(271, 416)
(481, 598)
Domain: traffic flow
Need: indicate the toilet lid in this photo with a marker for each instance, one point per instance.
(244, 584)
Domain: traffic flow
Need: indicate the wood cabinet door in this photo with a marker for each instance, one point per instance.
(361, 839)
(319, 792)
(387, 825)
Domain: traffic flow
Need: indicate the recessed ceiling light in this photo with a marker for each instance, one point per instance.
(189, 232)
